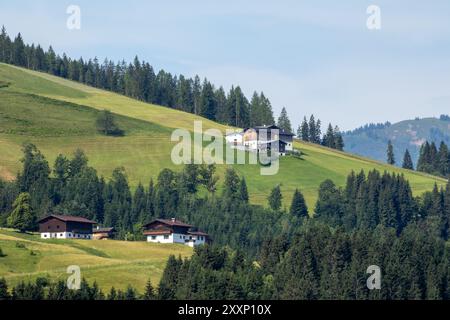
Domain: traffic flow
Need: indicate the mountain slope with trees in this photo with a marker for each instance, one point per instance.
(59, 116)
(371, 140)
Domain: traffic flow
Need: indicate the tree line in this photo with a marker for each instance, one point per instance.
(432, 160)
(140, 81)
(72, 187)
(373, 219)
(310, 131)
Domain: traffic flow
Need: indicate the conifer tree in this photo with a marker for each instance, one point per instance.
(149, 291)
(304, 131)
(298, 206)
(243, 191)
(312, 130)
(275, 198)
(390, 154)
(407, 161)
(4, 294)
(283, 121)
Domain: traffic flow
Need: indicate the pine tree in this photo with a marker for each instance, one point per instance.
(283, 121)
(329, 138)
(298, 206)
(338, 140)
(407, 161)
(22, 217)
(149, 291)
(169, 280)
(243, 191)
(208, 104)
(231, 184)
(304, 130)
(275, 198)
(390, 154)
(4, 294)
(312, 130)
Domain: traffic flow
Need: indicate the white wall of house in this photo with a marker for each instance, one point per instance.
(192, 240)
(234, 138)
(289, 146)
(65, 235)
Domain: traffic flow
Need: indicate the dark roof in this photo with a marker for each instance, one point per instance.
(282, 131)
(103, 230)
(170, 222)
(68, 219)
(198, 233)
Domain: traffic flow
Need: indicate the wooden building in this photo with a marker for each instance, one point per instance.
(174, 231)
(65, 227)
(103, 233)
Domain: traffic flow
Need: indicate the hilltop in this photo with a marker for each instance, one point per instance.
(58, 115)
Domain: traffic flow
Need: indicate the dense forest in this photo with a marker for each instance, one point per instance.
(73, 187)
(258, 252)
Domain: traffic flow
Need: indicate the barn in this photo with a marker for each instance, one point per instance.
(65, 227)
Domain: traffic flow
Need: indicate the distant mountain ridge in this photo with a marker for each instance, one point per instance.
(371, 140)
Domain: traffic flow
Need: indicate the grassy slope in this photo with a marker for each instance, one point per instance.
(110, 263)
(62, 127)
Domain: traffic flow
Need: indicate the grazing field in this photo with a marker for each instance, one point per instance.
(59, 115)
(110, 263)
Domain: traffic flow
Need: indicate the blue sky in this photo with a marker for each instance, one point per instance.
(309, 56)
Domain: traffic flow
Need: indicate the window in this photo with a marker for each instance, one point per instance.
(45, 236)
(166, 237)
(48, 227)
(57, 227)
(153, 237)
(60, 234)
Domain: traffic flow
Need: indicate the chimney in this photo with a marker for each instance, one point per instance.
(173, 219)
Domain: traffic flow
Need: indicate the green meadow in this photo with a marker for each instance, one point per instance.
(109, 263)
(59, 115)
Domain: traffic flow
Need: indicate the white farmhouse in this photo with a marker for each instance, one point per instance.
(174, 231)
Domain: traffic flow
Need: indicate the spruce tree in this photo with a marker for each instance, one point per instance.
(149, 291)
(304, 130)
(298, 206)
(390, 154)
(407, 161)
(243, 191)
(283, 121)
(312, 129)
(275, 198)
(4, 294)
(338, 140)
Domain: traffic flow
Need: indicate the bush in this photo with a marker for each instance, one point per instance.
(2, 254)
(106, 124)
(20, 245)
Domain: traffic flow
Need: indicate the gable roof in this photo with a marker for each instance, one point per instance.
(67, 219)
(103, 230)
(281, 131)
(170, 222)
